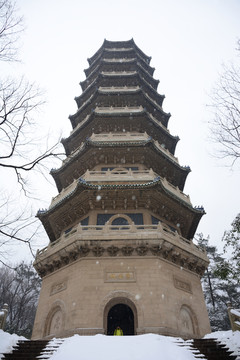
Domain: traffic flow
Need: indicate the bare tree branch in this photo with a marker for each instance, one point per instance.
(24, 146)
(225, 125)
(11, 27)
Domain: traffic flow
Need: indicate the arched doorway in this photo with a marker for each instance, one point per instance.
(120, 311)
(120, 315)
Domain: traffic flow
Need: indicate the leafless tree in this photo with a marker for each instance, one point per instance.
(23, 146)
(11, 26)
(20, 149)
(225, 126)
(20, 290)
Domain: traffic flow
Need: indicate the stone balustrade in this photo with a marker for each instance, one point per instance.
(115, 109)
(234, 317)
(119, 175)
(113, 89)
(119, 136)
(143, 240)
(117, 60)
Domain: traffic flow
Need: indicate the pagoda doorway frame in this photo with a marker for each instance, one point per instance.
(116, 301)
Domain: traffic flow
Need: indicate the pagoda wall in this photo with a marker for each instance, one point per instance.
(164, 299)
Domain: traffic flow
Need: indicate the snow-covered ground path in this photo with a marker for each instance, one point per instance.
(142, 347)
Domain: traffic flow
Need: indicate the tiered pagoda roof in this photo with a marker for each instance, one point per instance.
(120, 155)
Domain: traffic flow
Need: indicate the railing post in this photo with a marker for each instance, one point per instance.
(3, 316)
(233, 317)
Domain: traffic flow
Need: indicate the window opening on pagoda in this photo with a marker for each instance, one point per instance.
(68, 230)
(133, 168)
(120, 221)
(84, 222)
(103, 218)
(172, 228)
(107, 168)
(136, 218)
(155, 221)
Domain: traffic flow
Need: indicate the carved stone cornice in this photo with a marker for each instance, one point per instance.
(48, 261)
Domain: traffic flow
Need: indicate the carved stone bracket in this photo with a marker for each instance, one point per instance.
(83, 250)
(142, 250)
(156, 249)
(98, 250)
(113, 250)
(127, 250)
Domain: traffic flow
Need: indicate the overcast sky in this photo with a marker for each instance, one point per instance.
(188, 41)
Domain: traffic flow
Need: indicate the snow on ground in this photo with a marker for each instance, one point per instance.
(142, 347)
(7, 341)
(101, 347)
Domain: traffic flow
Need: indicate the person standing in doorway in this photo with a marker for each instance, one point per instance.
(118, 331)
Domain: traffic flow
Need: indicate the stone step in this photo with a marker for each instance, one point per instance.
(32, 349)
(208, 349)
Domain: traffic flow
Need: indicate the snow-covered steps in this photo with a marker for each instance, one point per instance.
(141, 347)
(209, 349)
(33, 349)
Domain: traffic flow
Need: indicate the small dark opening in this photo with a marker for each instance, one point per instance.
(120, 315)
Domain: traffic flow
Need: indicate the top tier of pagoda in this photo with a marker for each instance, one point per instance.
(120, 153)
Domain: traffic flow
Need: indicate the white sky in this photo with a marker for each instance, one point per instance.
(188, 41)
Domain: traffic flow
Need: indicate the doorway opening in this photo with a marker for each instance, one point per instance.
(120, 315)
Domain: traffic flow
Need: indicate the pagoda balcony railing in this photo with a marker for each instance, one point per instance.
(118, 73)
(150, 234)
(119, 49)
(122, 59)
(120, 109)
(119, 136)
(130, 136)
(118, 88)
(119, 175)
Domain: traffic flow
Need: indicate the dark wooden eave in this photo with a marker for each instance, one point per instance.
(139, 122)
(91, 153)
(104, 80)
(118, 44)
(127, 57)
(120, 68)
(160, 201)
(120, 98)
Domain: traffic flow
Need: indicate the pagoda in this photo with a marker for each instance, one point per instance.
(121, 227)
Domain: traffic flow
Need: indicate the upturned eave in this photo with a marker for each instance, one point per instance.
(94, 142)
(183, 209)
(98, 83)
(131, 59)
(152, 104)
(100, 69)
(119, 44)
(95, 116)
